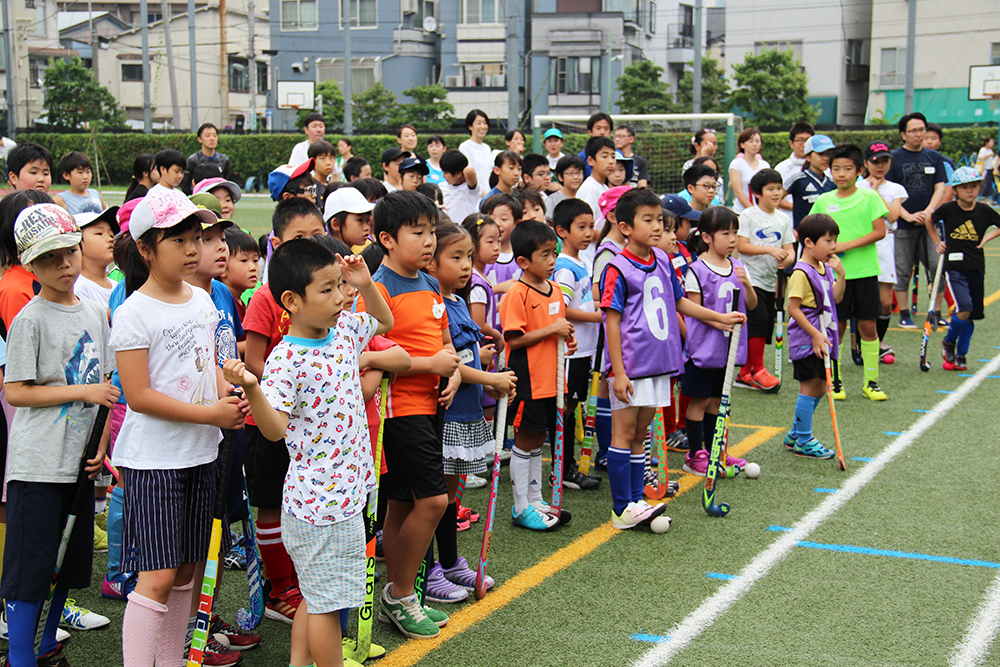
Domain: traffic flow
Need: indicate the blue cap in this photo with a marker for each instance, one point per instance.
(964, 175)
(629, 164)
(818, 143)
(552, 132)
(413, 164)
(278, 179)
(680, 207)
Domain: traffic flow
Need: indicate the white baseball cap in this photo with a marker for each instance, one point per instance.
(347, 199)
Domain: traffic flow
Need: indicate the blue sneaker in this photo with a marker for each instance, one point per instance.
(119, 586)
(790, 441)
(813, 450)
(905, 321)
(532, 519)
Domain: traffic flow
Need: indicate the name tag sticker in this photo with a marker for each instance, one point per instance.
(466, 356)
(554, 308)
(678, 261)
(955, 257)
(832, 208)
(929, 170)
(438, 310)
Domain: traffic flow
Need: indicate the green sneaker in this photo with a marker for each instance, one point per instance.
(408, 616)
(101, 519)
(790, 441)
(439, 617)
(812, 449)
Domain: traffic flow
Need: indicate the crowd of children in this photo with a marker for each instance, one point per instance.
(463, 280)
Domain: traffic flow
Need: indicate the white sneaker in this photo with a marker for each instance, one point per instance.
(474, 482)
(636, 514)
(541, 506)
(78, 618)
(61, 635)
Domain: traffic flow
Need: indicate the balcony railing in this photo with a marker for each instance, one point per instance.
(680, 36)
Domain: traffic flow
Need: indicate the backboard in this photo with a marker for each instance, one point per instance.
(984, 81)
(302, 94)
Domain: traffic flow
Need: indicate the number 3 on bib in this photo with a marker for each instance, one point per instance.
(655, 308)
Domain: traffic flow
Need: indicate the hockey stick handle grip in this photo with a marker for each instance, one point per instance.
(93, 442)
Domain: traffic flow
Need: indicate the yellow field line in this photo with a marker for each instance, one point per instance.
(414, 650)
(991, 298)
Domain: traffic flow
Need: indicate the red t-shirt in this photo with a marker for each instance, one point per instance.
(17, 288)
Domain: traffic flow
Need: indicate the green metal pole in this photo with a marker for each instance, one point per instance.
(536, 139)
(729, 154)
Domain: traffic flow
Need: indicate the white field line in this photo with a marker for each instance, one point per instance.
(730, 593)
(975, 645)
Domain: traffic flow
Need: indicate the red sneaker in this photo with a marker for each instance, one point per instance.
(765, 380)
(239, 640)
(216, 654)
(466, 514)
(282, 607)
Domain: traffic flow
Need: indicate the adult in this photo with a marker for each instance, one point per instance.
(478, 153)
(624, 138)
(922, 172)
(598, 125)
(6, 146)
(208, 137)
(984, 165)
(747, 163)
(797, 137)
(703, 144)
(406, 137)
(315, 128)
(514, 140)
(435, 149)
(345, 147)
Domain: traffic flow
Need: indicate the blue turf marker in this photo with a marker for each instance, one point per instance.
(893, 433)
(915, 410)
(719, 575)
(862, 458)
(653, 639)
(892, 553)
(985, 361)
(943, 391)
(822, 490)
(778, 529)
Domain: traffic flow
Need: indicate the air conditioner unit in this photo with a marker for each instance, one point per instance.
(408, 6)
(452, 81)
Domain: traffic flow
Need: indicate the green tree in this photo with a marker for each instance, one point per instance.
(333, 106)
(73, 98)
(642, 90)
(714, 89)
(377, 108)
(772, 89)
(429, 108)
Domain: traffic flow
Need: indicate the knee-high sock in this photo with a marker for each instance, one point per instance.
(881, 326)
(602, 424)
(755, 354)
(710, 426)
(535, 476)
(955, 327)
(835, 370)
(696, 435)
(637, 466)
(520, 472)
(965, 338)
(116, 509)
(345, 618)
(142, 628)
(277, 563)
(447, 536)
(3, 540)
(803, 427)
(682, 410)
(170, 652)
(869, 354)
(21, 618)
(620, 478)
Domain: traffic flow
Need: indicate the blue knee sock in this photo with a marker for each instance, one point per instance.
(52, 623)
(803, 427)
(21, 618)
(116, 509)
(602, 424)
(345, 616)
(965, 338)
(620, 477)
(955, 328)
(638, 468)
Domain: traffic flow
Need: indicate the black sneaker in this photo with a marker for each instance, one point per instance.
(602, 463)
(960, 363)
(938, 321)
(948, 351)
(577, 481)
(856, 357)
(678, 442)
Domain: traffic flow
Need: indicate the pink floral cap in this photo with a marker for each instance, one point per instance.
(163, 208)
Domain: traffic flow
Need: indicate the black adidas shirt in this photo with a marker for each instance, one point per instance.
(963, 230)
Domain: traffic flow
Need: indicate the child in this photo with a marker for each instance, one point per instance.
(241, 268)
(97, 250)
(168, 445)
(598, 125)
(701, 185)
(536, 173)
(710, 282)
(574, 224)
(76, 170)
(805, 186)
(286, 182)
(391, 157)
(506, 174)
(55, 376)
(29, 167)
(507, 212)
(878, 161)
(355, 168)
(965, 223)
(461, 187)
(435, 149)
(144, 177)
(322, 517)
(412, 171)
(533, 317)
(765, 246)
(485, 235)
(415, 484)
(813, 291)
(349, 217)
(169, 164)
(622, 174)
(467, 437)
(532, 204)
(265, 323)
(372, 189)
(227, 192)
(860, 215)
(641, 296)
(324, 163)
(553, 142)
(601, 159)
(17, 285)
(569, 173)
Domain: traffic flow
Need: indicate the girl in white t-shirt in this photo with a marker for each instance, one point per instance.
(877, 164)
(164, 338)
(747, 163)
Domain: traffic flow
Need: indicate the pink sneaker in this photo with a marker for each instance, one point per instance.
(735, 461)
(697, 463)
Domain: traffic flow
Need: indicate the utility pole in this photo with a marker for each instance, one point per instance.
(252, 64)
(224, 63)
(348, 74)
(174, 103)
(193, 66)
(911, 38)
(147, 110)
(606, 66)
(93, 42)
(513, 101)
(10, 57)
(696, 90)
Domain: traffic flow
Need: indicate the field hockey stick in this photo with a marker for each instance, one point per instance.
(854, 337)
(559, 443)
(460, 491)
(113, 470)
(590, 423)
(833, 411)
(779, 325)
(200, 637)
(916, 286)
(708, 495)
(249, 618)
(83, 485)
(664, 487)
(367, 611)
(500, 427)
(928, 324)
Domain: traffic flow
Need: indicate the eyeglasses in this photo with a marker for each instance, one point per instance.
(799, 142)
(307, 190)
(711, 188)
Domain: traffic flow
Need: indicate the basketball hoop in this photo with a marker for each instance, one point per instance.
(994, 101)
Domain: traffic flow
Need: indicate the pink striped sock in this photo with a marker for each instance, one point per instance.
(141, 629)
(171, 649)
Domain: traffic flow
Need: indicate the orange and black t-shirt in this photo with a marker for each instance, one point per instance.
(525, 309)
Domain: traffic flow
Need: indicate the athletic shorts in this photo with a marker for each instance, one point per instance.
(266, 464)
(535, 415)
(702, 382)
(861, 300)
(36, 516)
(413, 453)
(168, 517)
(760, 320)
(967, 288)
(887, 258)
(651, 392)
(329, 560)
(809, 368)
(578, 379)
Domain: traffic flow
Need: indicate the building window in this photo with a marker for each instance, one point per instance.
(364, 14)
(855, 53)
(29, 4)
(298, 15)
(573, 75)
(794, 47)
(481, 11)
(995, 53)
(362, 74)
(892, 68)
(131, 72)
(35, 73)
(262, 88)
(153, 17)
(483, 75)
(239, 75)
(652, 17)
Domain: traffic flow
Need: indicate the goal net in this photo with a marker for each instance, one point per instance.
(664, 140)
